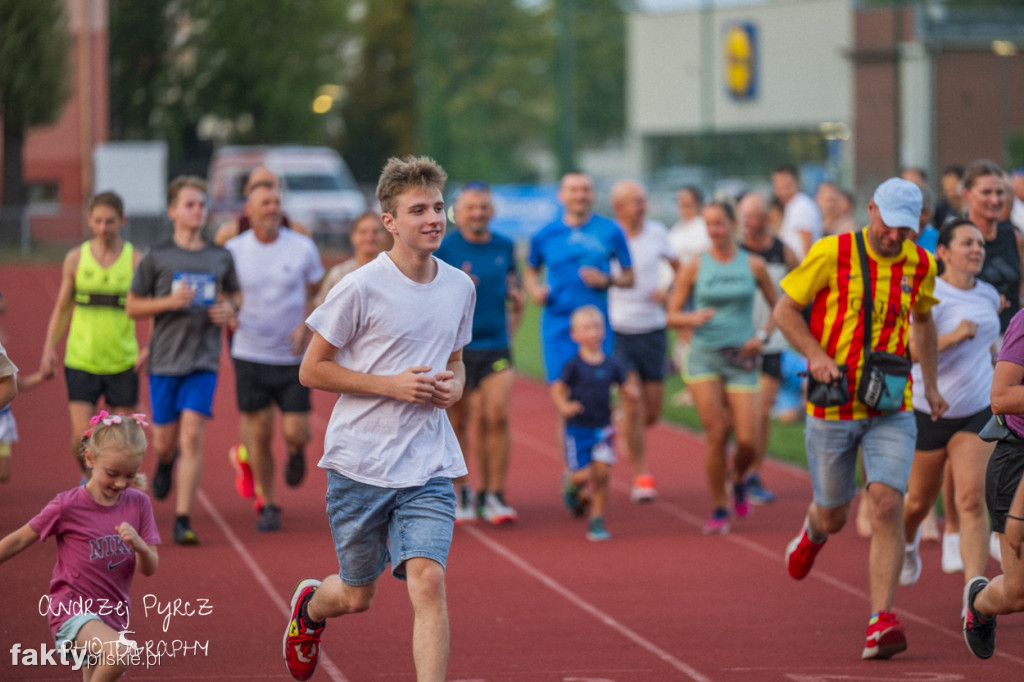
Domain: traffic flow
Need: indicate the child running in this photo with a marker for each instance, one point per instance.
(103, 530)
(583, 396)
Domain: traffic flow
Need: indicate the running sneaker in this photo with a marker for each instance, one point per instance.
(952, 562)
(718, 524)
(465, 512)
(740, 503)
(643, 489)
(911, 562)
(295, 469)
(269, 518)
(245, 485)
(162, 477)
(183, 533)
(572, 496)
(885, 637)
(979, 632)
(496, 511)
(756, 492)
(301, 645)
(596, 531)
(801, 552)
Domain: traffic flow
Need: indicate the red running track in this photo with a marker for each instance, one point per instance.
(531, 602)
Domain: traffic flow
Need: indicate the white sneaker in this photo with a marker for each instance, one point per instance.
(497, 512)
(995, 550)
(465, 509)
(911, 562)
(952, 562)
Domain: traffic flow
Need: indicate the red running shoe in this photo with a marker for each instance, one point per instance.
(885, 637)
(244, 483)
(301, 645)
(800, 554)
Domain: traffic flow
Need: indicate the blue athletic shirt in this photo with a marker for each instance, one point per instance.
(563, 250)
(489, 266)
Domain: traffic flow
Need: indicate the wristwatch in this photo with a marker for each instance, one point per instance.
(761, 335)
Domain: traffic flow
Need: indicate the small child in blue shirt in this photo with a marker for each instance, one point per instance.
(582, 395)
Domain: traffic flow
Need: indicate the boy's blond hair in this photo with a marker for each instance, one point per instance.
(588, 310)
(181, 182)
(401, 174)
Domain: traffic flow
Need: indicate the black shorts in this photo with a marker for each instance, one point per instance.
(258, 386)
(1001, 480)
(118, 390)
(480, 364)
(643, 353)
(936, 435)
(771, 365)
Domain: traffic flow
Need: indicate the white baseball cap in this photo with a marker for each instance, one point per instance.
(899, 202)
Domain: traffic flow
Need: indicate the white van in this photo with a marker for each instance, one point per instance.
(317, 188)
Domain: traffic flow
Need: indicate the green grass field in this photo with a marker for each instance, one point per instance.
(786, 441)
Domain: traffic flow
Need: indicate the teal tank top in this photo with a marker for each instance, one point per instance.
(729, 288)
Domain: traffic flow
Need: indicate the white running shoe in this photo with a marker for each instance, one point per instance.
(465, 509)
(497, 512)
(952, 562)
(911, 562)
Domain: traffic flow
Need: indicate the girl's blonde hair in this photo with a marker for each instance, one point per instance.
(124, 431)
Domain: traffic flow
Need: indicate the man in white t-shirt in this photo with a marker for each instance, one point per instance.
(637, 316)
(279, 270)
(801, 219)
(388, 340)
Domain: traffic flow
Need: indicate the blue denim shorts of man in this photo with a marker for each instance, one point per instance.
(373, 525)
(887, 442)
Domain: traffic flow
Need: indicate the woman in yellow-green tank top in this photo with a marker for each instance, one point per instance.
(102, 351)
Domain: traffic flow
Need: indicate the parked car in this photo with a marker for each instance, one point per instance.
(317, 187)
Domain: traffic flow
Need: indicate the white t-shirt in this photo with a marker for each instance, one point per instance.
(689, 239)
(800, 215)
(383, 323)
(964, 370)
(633, 310)
(274, 278)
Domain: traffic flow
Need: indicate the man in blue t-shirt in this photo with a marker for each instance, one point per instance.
(576, 250)
(489, 259)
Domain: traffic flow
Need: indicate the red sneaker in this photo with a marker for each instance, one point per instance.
(800, 554)
(885, 637)
(244, 482)
(301, 646)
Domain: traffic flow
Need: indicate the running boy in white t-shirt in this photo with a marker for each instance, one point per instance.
(389, 341)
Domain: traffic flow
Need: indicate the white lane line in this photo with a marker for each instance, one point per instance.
(584, 605)
(548, 450)
(261, 578)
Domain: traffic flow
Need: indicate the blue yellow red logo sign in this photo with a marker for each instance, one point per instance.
(741, 60)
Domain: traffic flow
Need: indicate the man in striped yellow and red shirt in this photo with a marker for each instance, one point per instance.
(830, 280)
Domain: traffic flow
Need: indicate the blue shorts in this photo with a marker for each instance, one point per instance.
(887, 442)
(70, 628)
(643, 353)
(170, 396)
(584, 445)
(373, 525)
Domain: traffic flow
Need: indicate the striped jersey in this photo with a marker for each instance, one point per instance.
(830, 280)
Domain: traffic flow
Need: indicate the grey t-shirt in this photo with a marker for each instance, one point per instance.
(185, 341)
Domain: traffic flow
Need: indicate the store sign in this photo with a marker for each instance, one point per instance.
(741, 60)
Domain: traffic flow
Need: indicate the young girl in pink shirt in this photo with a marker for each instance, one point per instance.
(104, 530)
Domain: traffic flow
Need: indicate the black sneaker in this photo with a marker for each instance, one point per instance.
(162, 477)
(979, 632)
(183, 533)
(295, 468)
(269, 518)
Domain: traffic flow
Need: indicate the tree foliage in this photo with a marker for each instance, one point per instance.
(34, 44)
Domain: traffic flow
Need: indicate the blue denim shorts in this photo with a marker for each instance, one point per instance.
(373, 525)
(887, 442)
